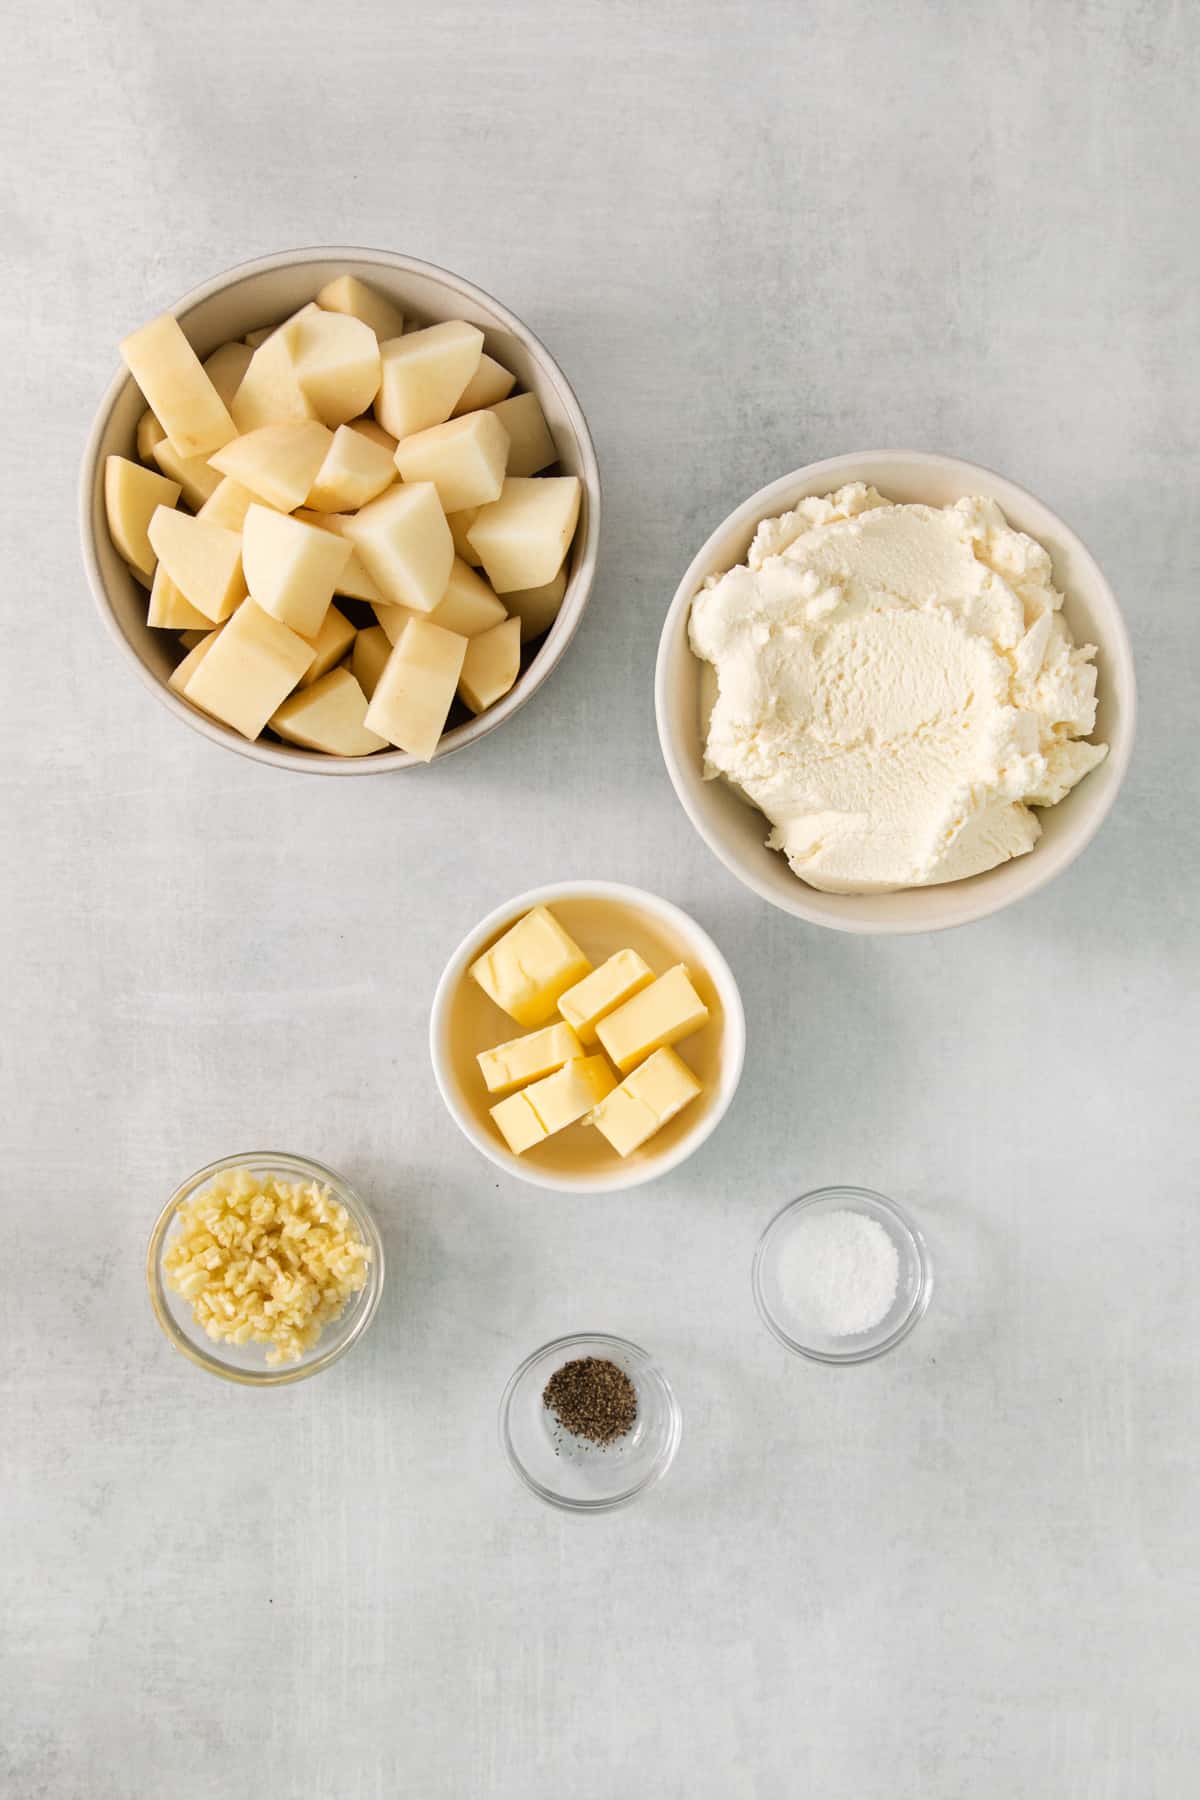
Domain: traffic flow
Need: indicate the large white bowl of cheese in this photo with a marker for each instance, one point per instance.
(737, 832)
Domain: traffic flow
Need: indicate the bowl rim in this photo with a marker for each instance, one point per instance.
(553, 646)
(733, 1056)
(285, 1373)
(965, 901)
(907, 1224)
(662, 1462)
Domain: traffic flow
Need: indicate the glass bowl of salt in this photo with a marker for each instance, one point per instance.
(841, 1275)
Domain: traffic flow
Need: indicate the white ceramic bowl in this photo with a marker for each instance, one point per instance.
(261, 293)
(717, 1053)
(736, 831)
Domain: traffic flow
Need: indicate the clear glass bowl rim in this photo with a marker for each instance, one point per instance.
(662, 1461)
(916, 1311)
(286, 1163)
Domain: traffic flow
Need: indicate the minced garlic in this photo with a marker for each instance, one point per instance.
(266, 1261)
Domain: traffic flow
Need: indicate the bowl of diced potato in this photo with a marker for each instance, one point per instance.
(340, 510)
(587, 1037)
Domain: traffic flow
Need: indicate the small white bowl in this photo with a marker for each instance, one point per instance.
(736, 832)
(717, 1052)
(261, 293)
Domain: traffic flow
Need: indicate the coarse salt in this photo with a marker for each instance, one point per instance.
(839, 1272)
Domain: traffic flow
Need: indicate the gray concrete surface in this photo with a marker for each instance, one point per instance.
(753, 235)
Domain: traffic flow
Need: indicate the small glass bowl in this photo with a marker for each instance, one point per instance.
(913, 1288)
(568, 1472)
(246, 1363)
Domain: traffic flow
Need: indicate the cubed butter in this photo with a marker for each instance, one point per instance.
(278, 463)
(464, 458)
(132, 495)
(416, 689)
(424, 374)
(667, 1010)
(291, 568)
(653, 1094)
(248, 671)
(530, 446)
(523, 537)
(405, 544)
(178, 392)
(328, 716)
(615, 981)
(555, 1102)
(490, 666)
(528, 1058)
(202, 559)
(527, 969)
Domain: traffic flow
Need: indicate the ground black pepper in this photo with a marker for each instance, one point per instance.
(592, 1399)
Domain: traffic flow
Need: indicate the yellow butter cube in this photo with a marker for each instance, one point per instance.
(615, 981)
(555, 1102)
(528, 1058)
(669, 1009)
(645, 1101)
(527, 969)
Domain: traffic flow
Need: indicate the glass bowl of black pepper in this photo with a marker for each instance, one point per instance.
(589, 1422)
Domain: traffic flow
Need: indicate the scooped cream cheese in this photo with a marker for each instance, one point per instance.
(897, 687)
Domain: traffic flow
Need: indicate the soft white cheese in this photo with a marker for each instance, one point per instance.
(896, 688)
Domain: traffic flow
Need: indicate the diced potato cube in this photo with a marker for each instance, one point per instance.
(228, 504)
(537, 608)
(226, 368)
(183, 672)
(460, 523)
(254, 338)
(645, 1101)
(592, 999)
(132, 495)
(354, 471)
(353, 582)
(527, 1058)
(336, 360)
(330, 644)
(347, 294)
(247, 673)
(291, 568)
(531, 446)
(490, 382)
(468, 606)
(523, 536)
(203, 559)
(424, 374)
(270, 393)
(370, 428)
(279, 463)
(464, 458)
(556, 1101)
(170, 608)
(178, 392)
(491, 665)
(527, 969)
(416, 689)
(372, 647)
(328, 716)
(195, 474)
(405, 544)
(667, 1010)
(149, 433)
(189, 639)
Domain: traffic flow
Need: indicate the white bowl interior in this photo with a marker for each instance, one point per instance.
(260, 294)
(736, 831)
(463, 1021)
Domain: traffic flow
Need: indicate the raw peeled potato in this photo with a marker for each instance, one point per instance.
(334, 455)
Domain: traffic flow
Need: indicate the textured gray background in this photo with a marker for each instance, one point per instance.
(753, 236)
